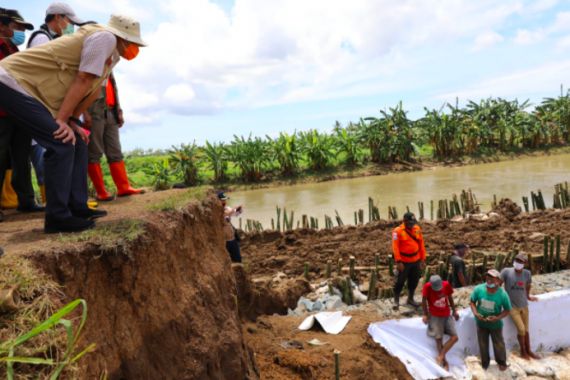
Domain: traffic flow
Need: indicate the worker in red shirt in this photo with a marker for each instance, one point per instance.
(437, 304)
(410, 257)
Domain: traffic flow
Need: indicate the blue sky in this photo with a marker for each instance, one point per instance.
(215, 68)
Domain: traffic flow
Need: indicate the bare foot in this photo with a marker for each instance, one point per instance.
(445, 364)
(440, 361)
(502, 368)
(525, 356)
(533, 355)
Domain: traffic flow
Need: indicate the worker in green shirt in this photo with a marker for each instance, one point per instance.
(490, 304)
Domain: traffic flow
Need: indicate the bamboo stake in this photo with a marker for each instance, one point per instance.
(551, 257)
(351, 264)
(568, 256)
(557, 263)
(306, 271)
(372, 286)
(531, 264)
(337, 365)
(329, 268)
(339, 267)
(545, 255)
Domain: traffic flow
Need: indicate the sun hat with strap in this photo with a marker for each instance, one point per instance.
(127, 28)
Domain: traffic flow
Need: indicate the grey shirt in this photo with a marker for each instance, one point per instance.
(458, 266)
(515, 285)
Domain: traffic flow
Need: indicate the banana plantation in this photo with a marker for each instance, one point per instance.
(490, 126)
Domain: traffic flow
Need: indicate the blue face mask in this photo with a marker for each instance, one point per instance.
(69, 29)
(18, 38)
(491, 286)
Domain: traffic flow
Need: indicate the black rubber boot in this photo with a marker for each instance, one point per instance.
(70, 224)
(89, 213)
(411, 301)
(396, 302)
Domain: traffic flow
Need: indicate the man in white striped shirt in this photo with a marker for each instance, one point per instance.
(46, 89)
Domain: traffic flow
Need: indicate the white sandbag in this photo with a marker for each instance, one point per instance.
(331, 322)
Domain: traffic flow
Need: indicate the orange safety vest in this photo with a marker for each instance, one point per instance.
(408, 246)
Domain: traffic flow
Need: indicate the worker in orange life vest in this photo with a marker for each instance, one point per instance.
(410, 257)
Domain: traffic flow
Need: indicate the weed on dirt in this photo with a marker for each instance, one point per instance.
(28, 297)
(108, 236)
(178, 201)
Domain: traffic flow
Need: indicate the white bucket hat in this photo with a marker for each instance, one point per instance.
(127, 28)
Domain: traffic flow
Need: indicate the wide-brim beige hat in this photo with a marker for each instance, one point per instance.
(127, 28)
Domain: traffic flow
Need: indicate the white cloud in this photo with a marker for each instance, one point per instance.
(202, 59)
(486, 40)
(179, 94)
(528, 37)
(563, 43)
(541, 79)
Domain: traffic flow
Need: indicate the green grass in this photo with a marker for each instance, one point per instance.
(177, 201)
(110, 235)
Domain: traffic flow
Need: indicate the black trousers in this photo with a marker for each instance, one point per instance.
(232, 247)
(499, 348)
(15, 147)
(65, 164)
(411, 273)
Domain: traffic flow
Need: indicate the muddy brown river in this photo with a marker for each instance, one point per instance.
(508, 179)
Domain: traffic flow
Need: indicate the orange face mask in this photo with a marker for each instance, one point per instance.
(131, 51)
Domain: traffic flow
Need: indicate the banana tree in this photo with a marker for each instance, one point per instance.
(318, 148)
(216, 159)
(184, 161)
(346, 142)
(250, 155)
(286, 150)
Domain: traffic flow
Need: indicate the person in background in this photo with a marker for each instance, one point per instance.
(60, 20)
(517, 282)
(104, 118)
(459, 277)
(48, 99)
(232, 238)
(15, 142)
(490, 304)
(437, 304)
(410, 257)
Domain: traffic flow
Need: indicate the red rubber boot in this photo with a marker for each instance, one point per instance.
(96, 176)
(119, 173)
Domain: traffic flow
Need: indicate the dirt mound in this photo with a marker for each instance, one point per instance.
(360, 357)
(507, 208)
(162, 307)
(273, 296)
(269, 253)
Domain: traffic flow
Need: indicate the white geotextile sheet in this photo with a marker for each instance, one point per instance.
(407, 340)
(331, 322)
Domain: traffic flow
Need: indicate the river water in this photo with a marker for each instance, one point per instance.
(508, 179)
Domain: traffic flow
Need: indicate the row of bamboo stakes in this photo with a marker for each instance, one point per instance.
(465, 203)
(550, 261)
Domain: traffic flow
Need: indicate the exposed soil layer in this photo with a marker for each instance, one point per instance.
(360, 358)
(266, 297)
(270, 252)
(162, 307)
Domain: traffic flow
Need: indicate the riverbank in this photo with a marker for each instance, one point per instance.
(371, 169)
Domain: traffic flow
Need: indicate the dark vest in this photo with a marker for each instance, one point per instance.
(44, 29)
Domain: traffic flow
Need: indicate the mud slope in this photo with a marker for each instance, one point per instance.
(163, 307)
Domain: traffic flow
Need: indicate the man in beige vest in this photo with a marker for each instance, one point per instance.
(46, 88)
